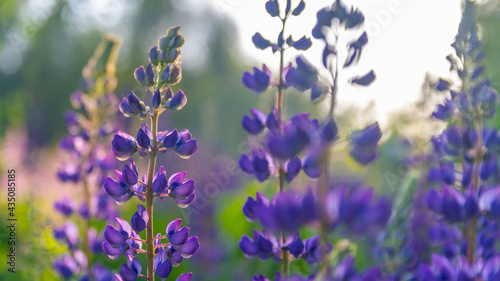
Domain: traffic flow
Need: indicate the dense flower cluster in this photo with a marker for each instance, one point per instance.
(461, 223)
(163, 70)
(88, 163)
(302, 143)
(466, 199)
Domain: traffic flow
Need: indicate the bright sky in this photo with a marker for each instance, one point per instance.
(407, 39)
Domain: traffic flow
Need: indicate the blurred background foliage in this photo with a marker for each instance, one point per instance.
(43, 48)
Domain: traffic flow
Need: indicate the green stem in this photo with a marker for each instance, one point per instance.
(149, 198)
(471, 231)
(281, 172)
(279, 105)
(285, 263)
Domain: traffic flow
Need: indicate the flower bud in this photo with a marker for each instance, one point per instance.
(153, 55)
(175, 75)
(173, 54)
(164, 75)
(144, 136)
(162, 42)
(176, 42)
(177, 102)
(169, 139)
(150, 74)
(140, 75)
(123, 145)
(173, 31)
(157, 99)
(135, 104)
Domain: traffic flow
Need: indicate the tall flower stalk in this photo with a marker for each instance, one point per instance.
(163, 71)
(282, 158)
(333, 23)
(465, 193)
(88, 163)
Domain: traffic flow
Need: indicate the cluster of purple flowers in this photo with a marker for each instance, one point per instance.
(464, 194)
(163, 70)
(302, 143)
(461, 222)
(88, 163)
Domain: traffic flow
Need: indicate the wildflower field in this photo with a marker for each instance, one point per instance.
(258, 140)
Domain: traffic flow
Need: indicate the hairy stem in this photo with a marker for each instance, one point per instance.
(149, 198)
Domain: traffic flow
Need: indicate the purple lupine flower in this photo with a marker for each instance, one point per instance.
(129, 271)
(118, 236)
(260, 245)
(69, 172)
(260, 80)
(311, 164)
(302, 77)
(184, 277)
(453, 141)
(66, 266)
(163, 265)
(65, 206)
(293, 168)
(440, 267)
(68, 232)
(186, 145)
(169, 138)
(345, 270)
(75, 144)
(140, 76)
(255, 124)
(260, 164)
(144, 137)
(260, 42)
(180, 240)
(491, 269)
(177, 102)
(123, 145)
(131, 105)
(272, 120)
(288, 212)
(139, 219)
(489, 202)
(445, 110)
(126, 180)
(100, 273)
(314, 252)
(253, 207)
(296, 135)
(160, 181)
(364, 144)
(357, 210)
(180, 189)
(450, 203)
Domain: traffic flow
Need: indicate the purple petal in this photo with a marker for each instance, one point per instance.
(187, 149)
(180, 237)
(164, 269)
(185, 277)
(114, 189)
(190, 247)
(248, 247)
(185, 189)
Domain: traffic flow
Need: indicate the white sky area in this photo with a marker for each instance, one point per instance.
(407, 38)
